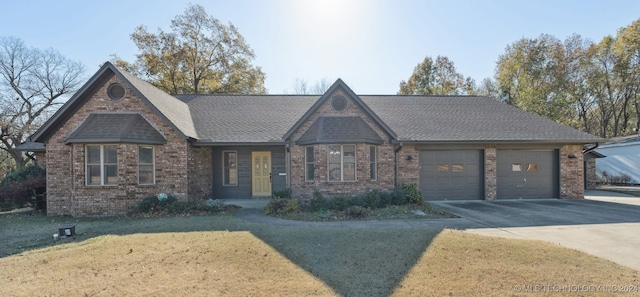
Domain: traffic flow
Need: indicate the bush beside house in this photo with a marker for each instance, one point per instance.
(25, 187)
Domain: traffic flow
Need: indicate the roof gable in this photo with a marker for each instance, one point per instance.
(339, 129)
(339, 84)
(115, 128)
(173, 111)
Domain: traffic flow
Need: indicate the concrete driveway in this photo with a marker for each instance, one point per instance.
(606, 224)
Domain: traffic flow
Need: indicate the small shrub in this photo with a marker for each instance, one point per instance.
(153, 203)
(398, 197)
(215, 203)
(284, 193)
(318, 202)
(355, 212)
(412, 193)
(292, 206)
(339, 203)
(278, 206)
(386, 198)
(372, 200)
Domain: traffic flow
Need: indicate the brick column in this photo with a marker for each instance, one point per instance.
(490, 173)
(571, 178)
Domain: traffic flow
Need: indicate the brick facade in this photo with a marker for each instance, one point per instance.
(571, 174)
(385, 159)
(191, 172)
(180, 170)
(490, 173)
(590, 174)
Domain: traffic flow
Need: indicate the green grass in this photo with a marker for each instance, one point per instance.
(223, 255)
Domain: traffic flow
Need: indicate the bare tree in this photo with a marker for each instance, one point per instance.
(33, 83)
(302, 87)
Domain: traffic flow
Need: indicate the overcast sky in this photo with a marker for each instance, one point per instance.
(372, 45)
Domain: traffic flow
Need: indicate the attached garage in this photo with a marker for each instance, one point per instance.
(451, 174)
(527, 174)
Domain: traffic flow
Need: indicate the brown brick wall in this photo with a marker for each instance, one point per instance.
(408, 170)
(590, 171)
(200, 172)
(490, 172)
(571, 178)
(67, 193)
(385, 159)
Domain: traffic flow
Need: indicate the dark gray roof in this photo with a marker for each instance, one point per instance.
(267, 118)
(245, 118)
(467, 119)
(174, 110)
(30, 146)
(339, 129)
(339, 84)
(115, 128)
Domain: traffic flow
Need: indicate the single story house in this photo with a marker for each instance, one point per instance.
(622, 164)
(119, 139)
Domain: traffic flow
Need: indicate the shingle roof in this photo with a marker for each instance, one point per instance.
(245, 118)
(174, 110)
(30, 146)
(123, 127)
(266, 118)
(467, 118)
(339, 129)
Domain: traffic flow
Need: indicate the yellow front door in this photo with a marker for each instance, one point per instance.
(261, 176)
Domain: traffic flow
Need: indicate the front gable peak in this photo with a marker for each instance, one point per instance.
(339, 97)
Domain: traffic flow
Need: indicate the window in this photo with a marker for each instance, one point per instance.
(230, 168)
(373, 167)
(457, 168)
(442, 168)
(102, 165)
(516, 167)
(309, 165)
(342, 162)
(532, 167)
(146, 172)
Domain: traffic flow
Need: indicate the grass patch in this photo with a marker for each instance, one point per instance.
(222, 255)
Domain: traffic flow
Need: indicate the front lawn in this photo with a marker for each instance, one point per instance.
(225, 256)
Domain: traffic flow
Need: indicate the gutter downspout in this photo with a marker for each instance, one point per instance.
(287, 162)
(397, 165)
(591, 148)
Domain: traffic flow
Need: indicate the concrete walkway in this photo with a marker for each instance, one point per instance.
(605, 224)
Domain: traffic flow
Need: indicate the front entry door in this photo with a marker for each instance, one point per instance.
(261, 173)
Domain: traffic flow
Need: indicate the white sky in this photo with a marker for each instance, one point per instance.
(372, 45)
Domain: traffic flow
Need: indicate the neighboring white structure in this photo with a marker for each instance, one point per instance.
(622, 164)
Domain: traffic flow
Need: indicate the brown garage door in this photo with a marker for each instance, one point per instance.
(527, 174)
(451, 174)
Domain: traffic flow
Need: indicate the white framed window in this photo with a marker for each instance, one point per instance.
(229, 168)
(342, 162)
(373, 164)
(146, 165)
(101, 165)
(309, 164)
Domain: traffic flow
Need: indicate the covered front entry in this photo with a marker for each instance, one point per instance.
(261, 174)
(527, 174)
(451, 174)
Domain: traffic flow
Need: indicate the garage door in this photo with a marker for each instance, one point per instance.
(451, 174)
(527, 174)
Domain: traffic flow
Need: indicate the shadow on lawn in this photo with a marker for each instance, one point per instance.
(352, 261)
